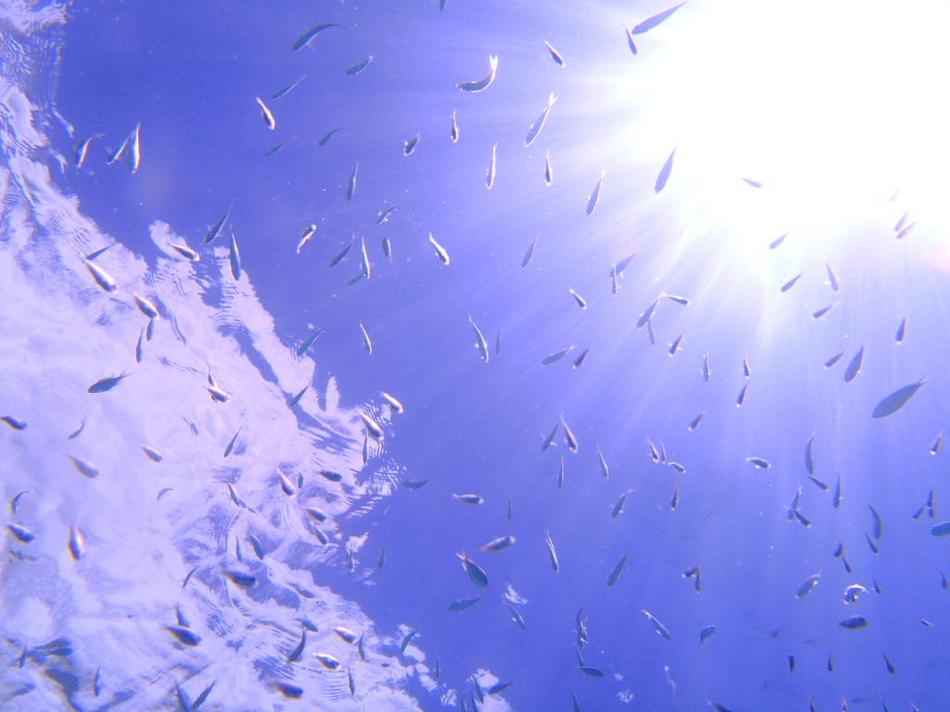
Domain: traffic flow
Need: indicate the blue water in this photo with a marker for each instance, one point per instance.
(91, 632)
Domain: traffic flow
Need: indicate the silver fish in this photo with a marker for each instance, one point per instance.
(555, 55)
(357, 68)
(82, 150)
(135, 149)
(482, 84)
(534, 130)
(492, 166)
(410, 145)
(351, 184)
(234, 257)
(307, 235)
(440, 251)
(552, 552)
(548, 169)
(481, 343)
(103, 279)
(529, 253)
(269, 120)
(661, 629)
(367, 342)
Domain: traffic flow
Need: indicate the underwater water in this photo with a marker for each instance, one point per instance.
(463, 355)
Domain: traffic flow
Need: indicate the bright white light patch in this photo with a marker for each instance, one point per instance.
(834, 106)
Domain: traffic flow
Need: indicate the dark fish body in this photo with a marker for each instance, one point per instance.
(895, 401)
(14, 422)
(185, 636)
(834, 359)
(359, 66)
(854, 366)
(283, 91)
(328, 135)
(791, 283)
(664, 174)
(307, 37)
(617, 570)
(654, 20)
(463, 604)
(106, 384)
(854, 622)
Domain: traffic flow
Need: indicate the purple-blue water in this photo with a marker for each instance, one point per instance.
(239, 472)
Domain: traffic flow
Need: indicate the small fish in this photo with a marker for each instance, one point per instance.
(852, 593)
(364, 260)
(604, 470)
(674, 503)
(791, 283)
(373, 428)
(481, 343)
(900, 223)
(414, 484)
(552, 552)
(482, 84)
(409, 145)
(940, 530)
(150, 330)
(579, 361)
(740, 399)
(288, 690)
(578, 299)
(82, 150)
(707, 374)
(529, 253)
(328, 135)
(555, 55)
(706, 633)
(115, 155)
(103, 278)
(276, 148)
(152, 454)
(367, 342)
(475, 572)
(854, 622)
(661, 629)
(890, 667)
(186, 252)
(469, 498)
(548, 170)
(492, 168)
(683, 301)
(903, 233)
(837, 496)
(185, 636)
(808, 585)
(297, 396)
(594, 198)
(13, 422)
(617, 571)
(647, 314)
(355, 69)
(440, 251)
(234, 257)
(877, 526)
(499, 544)
(285, 90)
(307, 235)
(508, 509)
(759, 463)
(352, 182)
(534, 130)
(901, 332)
(406, 640)
(809, 459)
(85, 467)
(631, 42)
(297, 652)
(821, 312)
(549, 440)
(388, 248)
(269, 120)
(556, 356)
(834, 359)
(895, 401)
(832, 280)
(791, 663)
(15, 502)
(569, 437)
(135, 149)
(145, 306)
(463, 604)
(654, 20)
(694, 423)
(665, 171)
(854, 367)
(22, 534)
(307, 37)
(240, 578)
(675, 345)
(746, 368)
(818, 483)
(777, 241)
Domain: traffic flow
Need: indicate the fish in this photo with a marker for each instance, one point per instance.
(388, 248)
(808, 585)
(481, 343)
(145, 306)
(854, 622)
(297, 396)
(604, 470)
(554, 54)
(463, 604)
(307, 37)
(877, 526)
(352, 182)
(556, 356)
(674, 503)
(240, 578)
(759, 463)
(475, 572)
(683, 301)
(578, 299)
(707, 373)
(903, 233)
(135, 149)
(552, 552)
(482, 84)
(832, 279)
(508, 509)
(834, 359)
(285, 90)
(288, 690)
(469, 498)
(409, 145)
(106, 384)
(746, 368)
(22, 534)
(454, 128)
(618, 507)
(357, 68)
(152, 454)
(854, 367)
(297, 652)
(103, 278)
(777, 241)
(694, 423)
(818, 483)
(367, 342)
(549, 440)
(82, 150)
(791, 663)
(548, 170)
(579, 361)
(664, 174)
(706, 633)
(492, 167)
(631, 42)
(569, 437)
(824, 310)
(266, 114)
(328, 661)
(900, 223)
(616, 571)
(499, 544)
(871, 545)
(654, 20)
(373, 428)
(837, 496)
(186, 252)
(328, 135)
(893, 402)
(890, 667)
(901, 332)
(115, 155)
(594, 196)
(675, 345)
(647, 314)
(791, 283)
(234, 257)
(440, 251)
(740, 399)
(940, 530)
(96, 253)
(185, 636)
(15, 502)
(661, 629)
(276, 148)
(809, 459)
(13, 422)
(534, 130)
